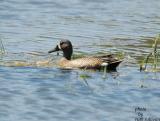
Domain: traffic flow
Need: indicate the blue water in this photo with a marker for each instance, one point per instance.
(53, 94)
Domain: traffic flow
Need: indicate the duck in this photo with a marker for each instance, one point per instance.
(91, 62)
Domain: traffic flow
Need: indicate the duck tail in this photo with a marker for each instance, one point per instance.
(113, 65)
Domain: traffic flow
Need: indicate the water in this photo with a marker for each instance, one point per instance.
(93, 26)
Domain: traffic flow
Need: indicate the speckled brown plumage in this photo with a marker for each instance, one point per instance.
(87, 62)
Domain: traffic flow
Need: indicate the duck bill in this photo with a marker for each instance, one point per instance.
(54, 50)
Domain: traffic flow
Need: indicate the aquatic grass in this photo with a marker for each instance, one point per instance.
(84, 77)
(78, 54)
(2, 49)
(153, 58)
(120, 55)
(75, 56)
(104, 70)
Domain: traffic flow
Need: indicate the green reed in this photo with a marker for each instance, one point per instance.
(2, 49)
(152, 57)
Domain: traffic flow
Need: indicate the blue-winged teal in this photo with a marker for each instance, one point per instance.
(96, 62)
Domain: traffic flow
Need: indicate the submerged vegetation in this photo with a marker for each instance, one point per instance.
(152, 58)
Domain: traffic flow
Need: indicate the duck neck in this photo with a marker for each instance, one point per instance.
(67, 57)
(67, 54)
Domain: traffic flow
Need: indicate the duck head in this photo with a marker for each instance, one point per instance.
(66, 47)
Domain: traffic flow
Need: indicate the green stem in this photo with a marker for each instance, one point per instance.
(155, 56)
(2, 47)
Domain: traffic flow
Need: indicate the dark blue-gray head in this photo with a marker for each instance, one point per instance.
(65, 46)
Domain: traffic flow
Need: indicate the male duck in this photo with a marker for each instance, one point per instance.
(96, 62)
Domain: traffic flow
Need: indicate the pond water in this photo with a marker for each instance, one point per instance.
(94, 26)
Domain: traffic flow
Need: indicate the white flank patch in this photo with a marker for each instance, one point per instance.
(104, 64)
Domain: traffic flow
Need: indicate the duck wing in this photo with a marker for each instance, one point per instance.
(108, 58)
(111, 60)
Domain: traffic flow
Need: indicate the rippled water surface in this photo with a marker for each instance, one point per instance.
(29, 28)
